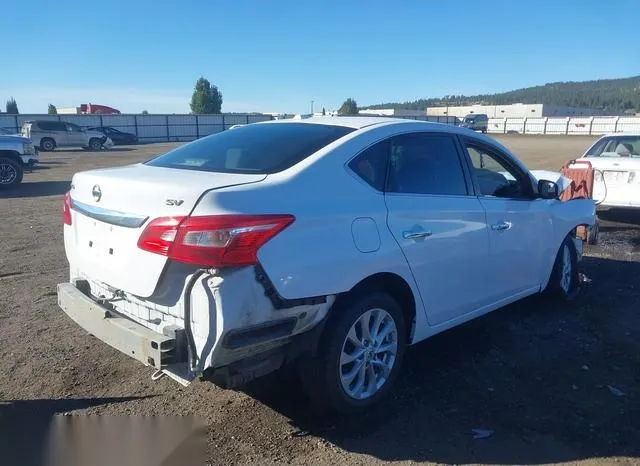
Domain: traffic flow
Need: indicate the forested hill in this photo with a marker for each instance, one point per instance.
(609, 95)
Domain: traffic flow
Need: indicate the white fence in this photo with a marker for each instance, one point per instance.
(568, 125)
(154, 128)
(148, 128)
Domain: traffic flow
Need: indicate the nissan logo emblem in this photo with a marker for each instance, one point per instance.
(96, 193)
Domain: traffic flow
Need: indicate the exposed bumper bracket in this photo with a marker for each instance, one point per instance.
(145, 345)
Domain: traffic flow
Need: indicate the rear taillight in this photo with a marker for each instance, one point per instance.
(66, 209)
(213, 241)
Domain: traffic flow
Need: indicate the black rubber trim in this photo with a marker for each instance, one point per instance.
(259, 333)
(278, 301)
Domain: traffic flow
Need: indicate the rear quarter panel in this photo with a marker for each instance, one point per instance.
(317, 255)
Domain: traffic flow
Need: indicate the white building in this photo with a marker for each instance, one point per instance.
(68, 110)
(514, 111)
(391, 112)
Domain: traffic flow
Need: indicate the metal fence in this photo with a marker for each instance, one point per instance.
(569, 125)
(148, 128)
(156, 128)
(451, 120)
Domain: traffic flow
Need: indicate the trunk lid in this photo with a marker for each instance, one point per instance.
(616, 179)
(110, 209)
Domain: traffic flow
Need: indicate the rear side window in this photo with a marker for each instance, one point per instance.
(426, 164)
(51, 126)
(48, 125)
(371, 165)
(260, 148)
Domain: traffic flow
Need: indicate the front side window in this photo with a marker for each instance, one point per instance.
(618, 146)
(257, 148)
(422, 163)
(494, 177)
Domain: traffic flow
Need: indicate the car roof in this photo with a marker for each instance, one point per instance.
(611, 135)
(356, 122)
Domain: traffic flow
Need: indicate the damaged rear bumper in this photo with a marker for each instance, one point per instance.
(149, 347)
(250, 338)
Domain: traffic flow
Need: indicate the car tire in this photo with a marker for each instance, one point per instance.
(11, 173)
(95, 144)
(593, 234)
(564, 280)
(47, 145)
(341, 375)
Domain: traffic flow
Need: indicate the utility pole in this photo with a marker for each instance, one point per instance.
(312, 108)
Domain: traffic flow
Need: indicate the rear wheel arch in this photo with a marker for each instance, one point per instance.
(393, 285)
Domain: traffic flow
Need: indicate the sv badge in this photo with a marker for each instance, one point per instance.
(174, 201)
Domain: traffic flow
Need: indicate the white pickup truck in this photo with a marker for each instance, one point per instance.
(16, 153)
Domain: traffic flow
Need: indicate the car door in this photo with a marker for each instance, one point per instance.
(75, 135)
(438, 223)
(616, 161)
(117, 136)
(519, 222)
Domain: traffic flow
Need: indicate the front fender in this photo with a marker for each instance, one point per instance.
(565, 217)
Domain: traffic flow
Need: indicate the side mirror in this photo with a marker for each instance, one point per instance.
(548, 189)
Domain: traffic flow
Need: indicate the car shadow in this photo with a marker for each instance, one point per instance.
(533, 378)
(36, 189)
(25, 425)
(93, 152)
(625, 216)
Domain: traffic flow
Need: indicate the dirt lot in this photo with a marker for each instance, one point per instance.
(553, 383)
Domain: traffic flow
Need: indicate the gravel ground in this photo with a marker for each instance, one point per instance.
(553, 383)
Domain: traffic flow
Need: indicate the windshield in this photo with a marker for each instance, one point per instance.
(617, 146)
(469, 119)
(259, 148)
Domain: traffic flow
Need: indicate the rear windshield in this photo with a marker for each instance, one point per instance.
(617, 146)
(259, 148)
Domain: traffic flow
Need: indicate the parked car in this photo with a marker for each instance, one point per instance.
(476, 122)
(335, 242)
(16, 153)
(48, 135)
(616, 162)
(118, 137)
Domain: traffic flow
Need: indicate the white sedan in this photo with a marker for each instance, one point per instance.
(616, 161)
(335, 242)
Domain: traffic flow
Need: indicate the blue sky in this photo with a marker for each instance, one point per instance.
(277, 56)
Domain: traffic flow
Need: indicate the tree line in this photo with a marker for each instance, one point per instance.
(206, 99)
(612, 96)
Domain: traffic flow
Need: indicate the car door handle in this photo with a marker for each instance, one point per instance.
(501, 226)
(416, 234)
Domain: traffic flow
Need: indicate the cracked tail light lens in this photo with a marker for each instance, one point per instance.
(213, 241)
(66, 209)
